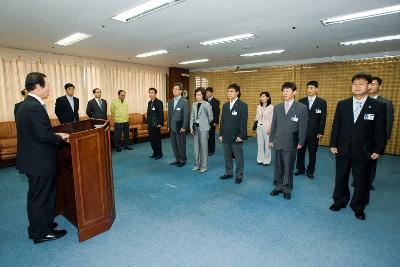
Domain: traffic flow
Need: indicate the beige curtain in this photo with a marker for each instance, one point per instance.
(86, 74)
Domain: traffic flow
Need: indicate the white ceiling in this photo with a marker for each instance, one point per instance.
(37, 25)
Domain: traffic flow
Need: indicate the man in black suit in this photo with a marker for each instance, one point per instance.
(358, 137)
(374, 93)
(233, 131)
(67, 107)
(215, 109)
(36, 159)
(24, 94)
(97, 107)
(315, 129)
(155, 120)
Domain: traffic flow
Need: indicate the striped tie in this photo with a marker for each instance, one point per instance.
(357, 110)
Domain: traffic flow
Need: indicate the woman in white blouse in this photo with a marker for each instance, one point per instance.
(264, 119)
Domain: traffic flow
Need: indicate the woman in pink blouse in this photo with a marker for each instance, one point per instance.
(264, 118)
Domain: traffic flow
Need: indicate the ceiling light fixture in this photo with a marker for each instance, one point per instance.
(263, 53)
(143, 9)
(230, 39)
(194, 61)
(362, 15)
(154, 53)
(372, 40)
(74, 38)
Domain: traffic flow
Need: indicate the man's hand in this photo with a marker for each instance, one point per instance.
(64, 136)
(220, 138)
(271, 144)
(183, 130)
(238, 140)
(334, 150)
(215, 124)
(319, 136)
(375, 156)
(159, 126)
(299, 146)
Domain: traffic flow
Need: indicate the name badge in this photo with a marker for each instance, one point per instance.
(234, 113)
(178, 109)
(153, 108)
(294, 119)
(318, 111)
(369, 117)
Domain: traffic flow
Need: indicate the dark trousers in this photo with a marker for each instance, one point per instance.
(211, 140)
(312, 145)
(155, 141)
(373, 170)
(41, 205)
(361, 169)
(118, 129)
(178, 141)
(233, 151)
(283, 170)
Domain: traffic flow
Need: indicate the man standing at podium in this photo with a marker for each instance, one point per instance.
(37, 159)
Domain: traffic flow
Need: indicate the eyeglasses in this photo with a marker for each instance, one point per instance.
(359, 84)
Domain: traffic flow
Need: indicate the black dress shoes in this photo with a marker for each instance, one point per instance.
(275, 192)
(53, 226)
(310, 175)
(174, 163)
(298, 172)
(335, 207)
(158, 157)
(238, 180)
(55, 234)
(287, 196)
(225, 176)
(372, 188)
(128, 148)
(118, 149)
(360, 215)
(181, 164)
(210, 154)
(152, 156)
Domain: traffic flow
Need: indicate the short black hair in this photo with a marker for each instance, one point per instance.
(376, 78)
(210, 89)
(362, 75)
(94, 90)
(120, 91)
(202, 90)
(23, 92)
(68, 85)
(34, 78)
(266, 93)
(153, 89)
(289, 85)
(178, 84)
(313, 83)
(236, 87)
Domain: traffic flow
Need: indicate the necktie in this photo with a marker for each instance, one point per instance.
(71, 102)
(310, 102)
(287, 106)
(100, 105)
(357, 110)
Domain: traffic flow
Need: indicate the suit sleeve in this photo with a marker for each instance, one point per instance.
(191, 119)
(217, 111)
(322, 121)
(186, 115)
(335, 127)
(221, 125)
(41, 128)
(89, 109)
(160, 114)
(380, 129)
(76, 110)
(303, 125)
(243, 122)
(273, 126)
(389, 118)
(58, 108)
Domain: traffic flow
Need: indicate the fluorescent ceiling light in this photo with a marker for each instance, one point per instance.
(372, 40)
(194, 61)
(154, 53)
(362, 15)
(144, 9)
(76, 37)
(229, 39)
(244, 71)
(263, 53)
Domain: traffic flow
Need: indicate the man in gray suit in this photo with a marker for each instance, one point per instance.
(200, 120)
(97, 107)
(232, 132)
(178, 123)
(288, 133)
(374, 93)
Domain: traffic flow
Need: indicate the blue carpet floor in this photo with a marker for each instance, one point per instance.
(169, 216)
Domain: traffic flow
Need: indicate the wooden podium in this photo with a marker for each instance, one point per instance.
(85, 185)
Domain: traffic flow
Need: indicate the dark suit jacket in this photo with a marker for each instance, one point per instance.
(289, 130)
(389, 115)
(179, 115)
(16, 108)
(234, 122)
(155, 113)
(366, 136)
(94, 111)
(316, 117)
(64, 111)
(36, 143)
(215, 109)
